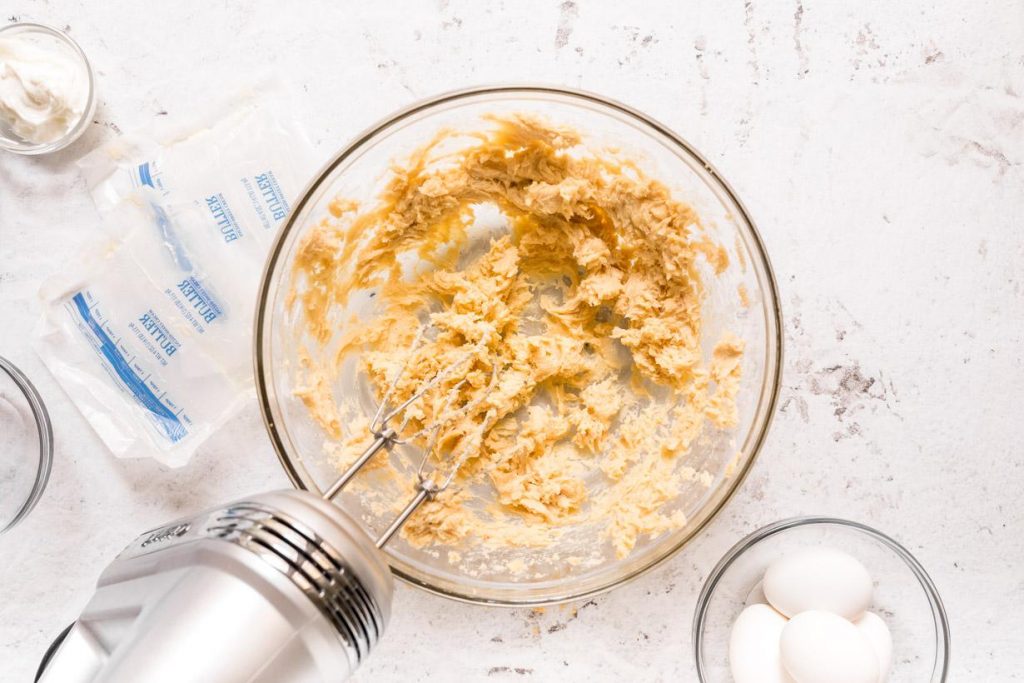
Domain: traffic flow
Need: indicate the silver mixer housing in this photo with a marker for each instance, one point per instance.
(280, 586)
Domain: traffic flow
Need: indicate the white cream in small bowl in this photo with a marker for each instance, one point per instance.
(47, 95)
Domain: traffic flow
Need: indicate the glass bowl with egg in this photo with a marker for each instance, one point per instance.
(900, 592)
(514, 153)
(47, 89)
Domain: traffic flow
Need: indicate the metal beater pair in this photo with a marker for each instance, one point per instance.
(428, 485)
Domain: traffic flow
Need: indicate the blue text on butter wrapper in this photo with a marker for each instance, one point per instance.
(163, 338)
(200, 300)
(229, 228)
(272, 195)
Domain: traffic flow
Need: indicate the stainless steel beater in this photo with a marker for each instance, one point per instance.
(427, 486)
(280, 587)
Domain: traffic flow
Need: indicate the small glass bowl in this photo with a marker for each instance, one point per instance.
(9, 140)
(904, 595)
(26, 446)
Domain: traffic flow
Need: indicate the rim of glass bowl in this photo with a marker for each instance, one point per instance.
(32, 149)
(44, 431)
(942, 637)
(767, 401)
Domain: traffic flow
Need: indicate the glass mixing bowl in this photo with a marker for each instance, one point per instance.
(904, 595)
(359, 172)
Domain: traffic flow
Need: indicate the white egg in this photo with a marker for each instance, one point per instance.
(756, 596)
(821, 647)
(874, 629)
(818, 579)
(754, 646)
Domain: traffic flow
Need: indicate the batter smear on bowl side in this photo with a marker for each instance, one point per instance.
(582, 318)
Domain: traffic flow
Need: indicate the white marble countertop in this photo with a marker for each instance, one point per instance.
(878, 145)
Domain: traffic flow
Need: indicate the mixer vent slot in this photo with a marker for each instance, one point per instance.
(312, 565)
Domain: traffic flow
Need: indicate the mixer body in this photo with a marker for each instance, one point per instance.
(280, 587)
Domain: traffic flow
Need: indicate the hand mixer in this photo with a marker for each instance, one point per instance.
(280, 587)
